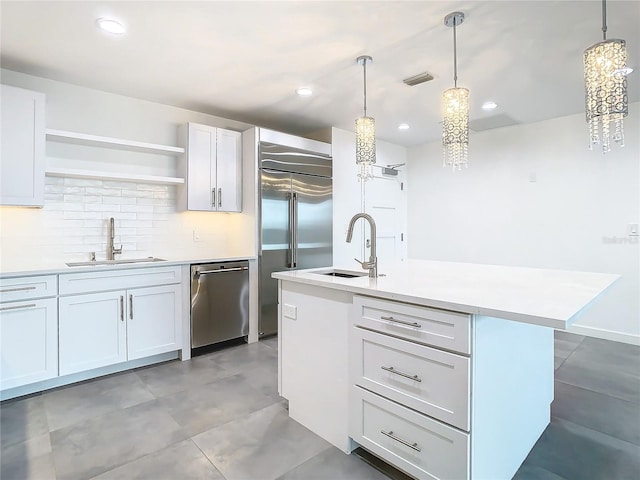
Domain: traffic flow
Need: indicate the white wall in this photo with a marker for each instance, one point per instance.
(73, 220)
(351, 196)
(534, 195)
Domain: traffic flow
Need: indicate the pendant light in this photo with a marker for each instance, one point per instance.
(605, 86)
(455, 106)
(365, 132)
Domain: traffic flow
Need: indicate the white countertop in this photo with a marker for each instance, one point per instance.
(24, 267)
(552, 298)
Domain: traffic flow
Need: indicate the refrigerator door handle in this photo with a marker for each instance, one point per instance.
(290, 258)
(295, 230)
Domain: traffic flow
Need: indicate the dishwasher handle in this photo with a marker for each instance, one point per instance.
(221, 270)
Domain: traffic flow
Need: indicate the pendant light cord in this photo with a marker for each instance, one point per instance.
(604, 19)
(364, 66)
(455, 56)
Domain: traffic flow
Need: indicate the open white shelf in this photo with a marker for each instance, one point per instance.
(121, 177)
(120, 143)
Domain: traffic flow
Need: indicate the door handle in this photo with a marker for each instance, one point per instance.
(17, 289)
(222, 270)
(402, 322)
(130, 307)
(415, 378)
(400, 440)
(295, 230)
(213, 197)
(15, 307)
(121, 308)
(220, 197)
(291, 239)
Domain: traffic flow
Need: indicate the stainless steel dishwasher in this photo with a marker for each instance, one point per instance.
(219, 302)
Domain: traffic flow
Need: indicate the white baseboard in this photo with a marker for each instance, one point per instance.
(605, 334)
(87, 375)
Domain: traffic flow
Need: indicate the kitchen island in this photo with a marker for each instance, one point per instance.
(444, 370)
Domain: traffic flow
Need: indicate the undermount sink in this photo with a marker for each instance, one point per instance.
(115, 262)
(343, 273)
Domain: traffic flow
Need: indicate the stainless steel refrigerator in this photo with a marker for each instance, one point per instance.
(296, 216)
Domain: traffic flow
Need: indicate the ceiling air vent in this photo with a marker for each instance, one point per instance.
(418, 79)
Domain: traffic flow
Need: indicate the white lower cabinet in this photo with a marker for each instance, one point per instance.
(28, 342)
(407, 393)
(92, 331)
(151, 321)
(415, 443)
(98, 329)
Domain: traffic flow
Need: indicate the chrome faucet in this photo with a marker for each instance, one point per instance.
(111, 250)
(372, 264)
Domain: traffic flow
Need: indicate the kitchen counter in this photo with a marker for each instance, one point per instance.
(444, 370)
(550, 298)
(24, 267)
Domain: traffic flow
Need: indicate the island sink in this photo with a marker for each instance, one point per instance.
(343, 273)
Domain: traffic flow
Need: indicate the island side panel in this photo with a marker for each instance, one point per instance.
(512, 391)
(313, 359)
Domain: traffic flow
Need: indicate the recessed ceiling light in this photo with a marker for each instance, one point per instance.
(403, 126)
(111, 26)
(304, 92)
(489, 105)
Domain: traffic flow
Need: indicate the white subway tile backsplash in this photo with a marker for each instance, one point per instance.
(50, 188)
(167, 209)
(151, 201)
(94, 223)
(152, 187)
(115, 184)
(136, 223)
(118, 201)
(75, 217)
(121, 216)
(62, 207)
(137, 193)
(53, 197)
(100, 207)
(81, 182)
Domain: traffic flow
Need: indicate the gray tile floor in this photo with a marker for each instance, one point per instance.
(219, 417)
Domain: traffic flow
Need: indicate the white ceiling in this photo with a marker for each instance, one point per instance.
(244, 59)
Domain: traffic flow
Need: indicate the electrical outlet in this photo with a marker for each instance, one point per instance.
(196, 236)
(289, 311)
(632, 230)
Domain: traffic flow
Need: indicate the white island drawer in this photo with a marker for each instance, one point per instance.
(426, 379)
(422, 447)
(25, 288)
(440, 328)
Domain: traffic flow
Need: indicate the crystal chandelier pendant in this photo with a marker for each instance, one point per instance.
(365, 133)
(606, 101)
(365, 147)
(455, 110)
(455, 127)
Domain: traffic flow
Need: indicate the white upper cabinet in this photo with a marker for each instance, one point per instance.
(22, 158)
(212, 168)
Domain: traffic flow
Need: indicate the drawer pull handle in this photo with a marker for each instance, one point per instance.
(403, 322)
(121, 308)
(18, 289)
(404, 442)
(415, 378)
(31, 305)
